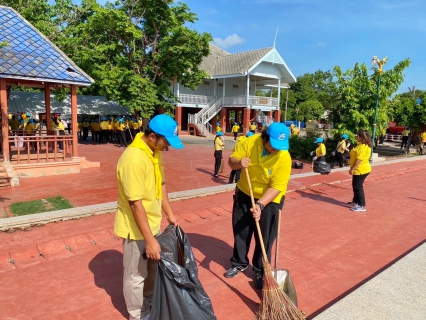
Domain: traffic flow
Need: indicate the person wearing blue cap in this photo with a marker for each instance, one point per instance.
(320, 151)
(235, 174)
(342, 145)
(219, 144)
(269, 164)
(253, 127)
(142, 195)
(104, 130)
(235, 129)
(121, 133)
(218, 127)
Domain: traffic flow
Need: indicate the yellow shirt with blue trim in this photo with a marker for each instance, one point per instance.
(136, 181)
(320, 150)
(360, 152)
(268, 171)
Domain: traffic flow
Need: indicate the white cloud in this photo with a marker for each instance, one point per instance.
(231, 40)
(319, 45)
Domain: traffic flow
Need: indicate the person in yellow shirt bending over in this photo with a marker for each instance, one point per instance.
(235, 129)
(360, 169)
(269, 164)
(319, 151)
(142, 194)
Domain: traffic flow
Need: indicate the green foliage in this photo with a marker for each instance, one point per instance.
(134, 50)
(358, 94)
(309, 110)
(301, 147)
(407, 111)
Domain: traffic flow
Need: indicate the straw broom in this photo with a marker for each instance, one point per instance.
(275, 304)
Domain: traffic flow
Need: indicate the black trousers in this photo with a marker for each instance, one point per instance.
(61, 144)
(243, 226)
(404, 142)
(358, 188)
(235, 174)
(122, 138)
(97, 136)
(104, 136)
(85, 133)
(235, 135)
(217, 160)
(338, 159)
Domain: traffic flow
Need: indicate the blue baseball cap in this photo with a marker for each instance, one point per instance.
(249, 134)
(121, 120)
(278, 136)
(319, 140)
(345, 136)
(220, 133)
(167, 127)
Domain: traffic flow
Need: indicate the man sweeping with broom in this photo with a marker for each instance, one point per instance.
(267, 167)
(269, 163)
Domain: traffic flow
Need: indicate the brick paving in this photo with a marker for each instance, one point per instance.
(72, 269)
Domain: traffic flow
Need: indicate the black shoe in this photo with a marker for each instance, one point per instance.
(234, 271)
(258, 281)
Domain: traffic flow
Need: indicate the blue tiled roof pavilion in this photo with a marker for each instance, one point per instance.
(29, 55)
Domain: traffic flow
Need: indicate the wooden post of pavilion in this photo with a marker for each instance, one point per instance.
(4, 121)
(47, 102)
(74, 125)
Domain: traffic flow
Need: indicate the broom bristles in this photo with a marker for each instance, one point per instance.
(275, 305)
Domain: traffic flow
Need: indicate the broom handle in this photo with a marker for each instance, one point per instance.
(277, 246)
(253, 204)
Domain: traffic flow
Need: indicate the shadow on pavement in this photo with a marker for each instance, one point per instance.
(3, 199)
(408, 198)
(320, 197)
(107, 269)
(218, 251)
(219, 179)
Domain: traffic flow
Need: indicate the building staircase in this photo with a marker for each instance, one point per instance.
(4, 177)
(201, 120)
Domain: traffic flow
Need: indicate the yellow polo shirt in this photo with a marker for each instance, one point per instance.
(136, 181)
(14, 124)
(96, 126)
(218, 129)
(269, 171)
(253, 127)
(235, 128)
(341, 146)
(218, 144)
(104, 125)
(424, 137)
(361, 152)
(320, 149)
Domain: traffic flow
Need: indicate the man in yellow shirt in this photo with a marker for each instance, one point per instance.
(253, 127)
(235, 129)
(424, 139)
(219, 144)
(269, 164)
(85, 126)
(319, 151)
(142, 194)
(104, 130)
(97, 129)
(13, 123)
(121, 133)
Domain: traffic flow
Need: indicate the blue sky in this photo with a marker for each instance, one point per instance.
(320, 34)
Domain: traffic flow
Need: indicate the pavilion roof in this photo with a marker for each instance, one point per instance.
(29, 55)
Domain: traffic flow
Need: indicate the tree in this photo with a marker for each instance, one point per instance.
(309, 110)
(135, 49)
(357, 94)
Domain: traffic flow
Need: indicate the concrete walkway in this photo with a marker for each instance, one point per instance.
(399, 292)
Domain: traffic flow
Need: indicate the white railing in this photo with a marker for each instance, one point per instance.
(194, 99)
(252, 101)
(263, 101)
(393, 137)
(233, 101)
(211, 111)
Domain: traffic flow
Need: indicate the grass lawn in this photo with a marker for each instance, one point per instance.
(38, 206)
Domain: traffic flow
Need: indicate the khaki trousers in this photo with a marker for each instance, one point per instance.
(138, 279)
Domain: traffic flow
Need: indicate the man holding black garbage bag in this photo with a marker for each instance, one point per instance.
(142, 196)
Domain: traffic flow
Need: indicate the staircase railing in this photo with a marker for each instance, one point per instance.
(212, 111)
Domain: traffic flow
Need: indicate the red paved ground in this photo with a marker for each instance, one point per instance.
(327, 248)
(186, 169)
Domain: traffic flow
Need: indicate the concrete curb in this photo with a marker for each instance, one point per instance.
(7, 224)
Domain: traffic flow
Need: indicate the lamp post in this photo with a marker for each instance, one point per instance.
(379, 70)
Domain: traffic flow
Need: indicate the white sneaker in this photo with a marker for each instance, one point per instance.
(358, 208)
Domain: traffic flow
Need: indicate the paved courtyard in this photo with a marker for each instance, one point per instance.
(72, 269)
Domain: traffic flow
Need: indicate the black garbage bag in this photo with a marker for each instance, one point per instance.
(322, 167)
(178, 293)
(297, 165)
